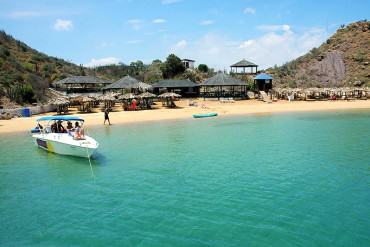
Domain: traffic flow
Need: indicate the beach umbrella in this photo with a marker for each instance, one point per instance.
(128, 96)
(60, 101)
(107, 97)
(84, 99)
(61, 104)
(147, 95)
(144, 86)
(169, 95)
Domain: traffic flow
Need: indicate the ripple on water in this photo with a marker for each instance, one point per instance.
(278, 180)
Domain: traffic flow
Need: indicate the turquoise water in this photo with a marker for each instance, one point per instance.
(274, 180)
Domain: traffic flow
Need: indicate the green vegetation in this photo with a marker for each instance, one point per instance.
(360, 57)
(172, 66)
(25, 73)
(21, 93)
(20, 64)
(203, 68)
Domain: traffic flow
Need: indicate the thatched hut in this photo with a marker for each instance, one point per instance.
(183, 87)
(128, 84)
(244, 65)
(223, 85)
(81, 84)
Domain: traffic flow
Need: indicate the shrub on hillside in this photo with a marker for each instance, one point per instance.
(4, 53)
(172, 66)
(29, 67)
(203, 68)
(21, 93)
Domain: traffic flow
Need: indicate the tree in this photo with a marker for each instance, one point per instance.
(203, 68)
(156, 61)
(82, 70)
(138, 65)
(153, 73)
(172, 66)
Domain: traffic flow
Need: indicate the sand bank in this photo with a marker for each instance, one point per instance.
(185, 112)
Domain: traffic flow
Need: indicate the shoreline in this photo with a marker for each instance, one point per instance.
(246, 107)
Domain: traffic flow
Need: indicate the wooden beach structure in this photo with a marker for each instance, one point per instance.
(263, 82)
(185, 88)
(223, 86)
(245, 67)
(80, 84)
(127, 84)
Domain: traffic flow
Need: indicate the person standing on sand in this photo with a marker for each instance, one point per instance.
(106, 116)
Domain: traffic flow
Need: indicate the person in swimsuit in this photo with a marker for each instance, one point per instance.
(106, 116)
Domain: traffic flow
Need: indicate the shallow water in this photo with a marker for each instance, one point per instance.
(299, 179)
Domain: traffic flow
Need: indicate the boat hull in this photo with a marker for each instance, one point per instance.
(79, 148)
(204, 115)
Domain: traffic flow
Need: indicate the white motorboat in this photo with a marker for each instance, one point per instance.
(63, 141)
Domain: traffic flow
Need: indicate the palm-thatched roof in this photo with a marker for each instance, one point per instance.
(169, 95)
(244, 63)
(147, 95)
(81, 80)
(126, 82)
(107, 97)
(82, 99)
(144, 86)
(175, 84)
(60, 101)
(128, 96)
(222, 79)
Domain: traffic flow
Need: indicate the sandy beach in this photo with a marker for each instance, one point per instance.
(185, 112)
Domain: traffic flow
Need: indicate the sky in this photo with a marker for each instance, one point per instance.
(217, 33)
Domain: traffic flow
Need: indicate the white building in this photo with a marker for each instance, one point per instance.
(188, 63)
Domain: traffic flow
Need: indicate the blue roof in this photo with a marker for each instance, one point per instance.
(62, 118)
(263, 76)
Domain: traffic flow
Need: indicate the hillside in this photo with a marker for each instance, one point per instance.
(25, 72)
(343, 60)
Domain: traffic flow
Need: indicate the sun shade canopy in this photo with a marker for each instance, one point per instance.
(62, 118)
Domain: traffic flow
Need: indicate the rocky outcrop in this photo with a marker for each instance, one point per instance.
(343, 60)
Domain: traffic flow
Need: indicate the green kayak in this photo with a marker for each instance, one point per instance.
(203, 115)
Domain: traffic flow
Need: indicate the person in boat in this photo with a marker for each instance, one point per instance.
(60, 128)
(106, 116)
(69, 127)
(39, 127)
(79, 132)
(54, 128)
